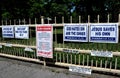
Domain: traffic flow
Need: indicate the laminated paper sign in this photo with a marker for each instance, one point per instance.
(22, 32)
(8, 31)
(76, 32)
(82, 70)
(44, 40)
(103, 33)
(102, 53)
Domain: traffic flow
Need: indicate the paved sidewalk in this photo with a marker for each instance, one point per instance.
(18, 69)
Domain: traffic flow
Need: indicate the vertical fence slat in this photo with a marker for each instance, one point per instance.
(110, 64)
(6, 22)
(63, 33)
(116, 63)
(19, 21)
(71, 59)
(79, 19)
(108, 18)
(29, 21)
(98, 18)
(2, 22)
(92, 62)
(75, 58)
(31, 42)
(79, 59)
(67, 57)
(106, 61)
(14, 21)
(55, 37)
(55, 20)
(101, 63)
(36, 21)
(24, 21)
(19, 52)
(96, 62)
(10, 22)
(62, 19)
(42, 19)
(48, 20)
(83, 60)
(88, 18)
(60, 57)
(70, 19)
(63, 58)
(56, 57)
(87, 60)
(119, 19)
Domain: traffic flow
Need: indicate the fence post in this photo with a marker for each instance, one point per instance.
(88, 18)
(24, 21)
(70, 19)
(6, 22)
(62, 19)
(119, 19)
(79, 19)
(42, 20)
(108, 18)
(29, 21)
(10, 22)
(14, 21)
(19, 21)
(55, 20)
(2, 22)
(35, 21)
(98, 19)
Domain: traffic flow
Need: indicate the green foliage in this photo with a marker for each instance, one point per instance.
(50, 8)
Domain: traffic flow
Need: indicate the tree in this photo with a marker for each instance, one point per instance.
(14, 9)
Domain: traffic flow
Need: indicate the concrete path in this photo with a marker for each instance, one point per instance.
(10, 68)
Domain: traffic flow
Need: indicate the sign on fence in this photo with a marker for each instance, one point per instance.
(76, 32)
(71, 50)
(104, 33)
(8, 45)
(102, 53)
(28, 49)
(44, 38)
(8, 31)
(0, 46)
(22, 32)
(78, 69)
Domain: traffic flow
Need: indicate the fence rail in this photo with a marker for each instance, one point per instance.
(81, 58)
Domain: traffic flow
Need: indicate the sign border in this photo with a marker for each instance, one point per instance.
(21, 26)
(102, 24)
(13, 31)
(86, 24)
(37, 39)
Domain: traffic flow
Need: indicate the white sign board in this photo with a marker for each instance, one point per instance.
(71, 50)
(28, 49)
(8, 45)
(76, 32)
(82, 70)
(8, 31)
(104, 33)
(44, 38)
(102, 53)
(22, 32)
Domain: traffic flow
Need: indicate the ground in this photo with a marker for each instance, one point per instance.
(10, 68)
